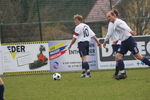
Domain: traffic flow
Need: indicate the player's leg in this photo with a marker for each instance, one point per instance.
(85, 66)
(126, 45)
(135, 51)
(81, 48)
(84, 51)
(121, 66)
(119, 59)
(116, 70)
(1, 89)
(143, 59)
(115, 50)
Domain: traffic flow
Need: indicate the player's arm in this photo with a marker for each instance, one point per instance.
(133, 33)
(75, 36)
(92, 34)
(72, 42)
(97, 41)
(106, 40)
(124, 26)
(108, 35)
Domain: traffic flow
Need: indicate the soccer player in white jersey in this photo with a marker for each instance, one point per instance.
(83, 35)
(113, 39)
(128, 43)
(1, 89)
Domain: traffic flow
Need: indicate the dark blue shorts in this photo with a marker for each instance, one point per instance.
(83, 48)
(115, 48)
(128, 45)
(1, 92)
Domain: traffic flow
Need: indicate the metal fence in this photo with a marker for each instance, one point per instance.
(44, 20)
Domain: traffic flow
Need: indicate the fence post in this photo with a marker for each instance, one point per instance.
(39, 20)
(110, 2)
(1, 32)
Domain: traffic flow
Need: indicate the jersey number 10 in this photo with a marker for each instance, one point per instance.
(85, 31)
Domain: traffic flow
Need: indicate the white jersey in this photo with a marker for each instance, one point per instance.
(83, 32)
(122, 29)
(111, 34)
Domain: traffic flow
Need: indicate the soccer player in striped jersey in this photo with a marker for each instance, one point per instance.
(83, 35)
(1, 89)
(128, 43)
(113, 39)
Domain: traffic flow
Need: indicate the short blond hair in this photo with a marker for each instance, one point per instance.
(79, 17)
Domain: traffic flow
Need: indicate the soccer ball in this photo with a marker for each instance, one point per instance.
(56, 76)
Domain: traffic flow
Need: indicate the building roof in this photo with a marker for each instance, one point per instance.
(99, 10)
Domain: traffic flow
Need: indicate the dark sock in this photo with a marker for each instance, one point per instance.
(146, 61)
(120, 65)
(83, 72)
(85, 65)
(117, 70)
(88, 72)
(1, 92)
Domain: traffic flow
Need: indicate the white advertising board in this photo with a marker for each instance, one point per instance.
(25, 57)
(107, 59)
(54, 56)
(62, 59)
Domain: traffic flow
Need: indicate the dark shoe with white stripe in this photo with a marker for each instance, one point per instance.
(88, 76)
(114, 76)
(83, 76)
(122, 76)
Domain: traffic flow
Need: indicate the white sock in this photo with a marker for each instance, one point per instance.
(122, 71)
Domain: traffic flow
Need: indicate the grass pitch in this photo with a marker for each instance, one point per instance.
(100, 87)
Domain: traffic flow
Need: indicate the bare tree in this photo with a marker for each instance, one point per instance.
(137, 14)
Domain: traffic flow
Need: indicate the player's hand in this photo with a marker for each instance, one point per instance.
(115, 42)
(69, 47)
(133, 33)
(104, 45)
(99, 45)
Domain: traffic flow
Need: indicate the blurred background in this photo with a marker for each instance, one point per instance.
(46, 20)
